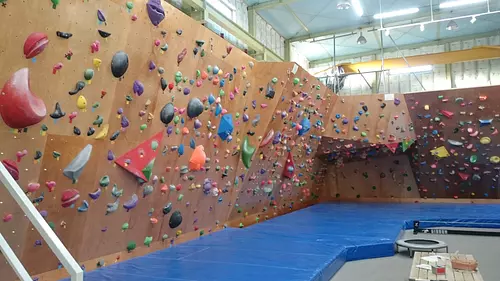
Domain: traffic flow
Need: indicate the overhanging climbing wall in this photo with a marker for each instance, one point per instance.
(102, 153)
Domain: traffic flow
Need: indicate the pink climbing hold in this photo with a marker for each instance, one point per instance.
(32, 187)
(263, 105)
(20, 155)
(7, 217)
(50, 185)
(58, 66)
(19, 107)
(72, 116)
(11, 167)
(95, 46)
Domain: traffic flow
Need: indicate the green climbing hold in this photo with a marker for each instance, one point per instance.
(473, 159)
(318, 87)
(176, 119)
(130, 5)
(408, 188)
(143, 127)
(54, 3)
(44, 128)
(52, 225)
(96, 105)
(237, 115)
(131, 246)
(247, 153)
(374, 187)
(274, 80)
(56, 154)
(296, 81)
(125, 226)
(104, 181)
(241, 225)
(98, 121)
(177, 131)
(179, 198)
(154, 145)
(178, 77)
(148, 240)
(363, 134)
(202, 53)
(198, 73)
(202, 232)
(164, 237)
(88, 74)
(222, 93)
(209, 69)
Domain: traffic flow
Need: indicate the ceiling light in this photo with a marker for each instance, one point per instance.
(473, 19)
(343, 5)
(422, 27)
(452, 25)
(356, 5)
(361, 39)
(396, 13)
(452, 4)
(387, 32)
(414, 69)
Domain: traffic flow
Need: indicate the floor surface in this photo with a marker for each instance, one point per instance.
(486, 250)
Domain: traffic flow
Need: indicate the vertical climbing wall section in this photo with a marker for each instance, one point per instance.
(457, 142)
(128, 123)
(280, 178)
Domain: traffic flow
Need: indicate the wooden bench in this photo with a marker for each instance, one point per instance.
(419, 274)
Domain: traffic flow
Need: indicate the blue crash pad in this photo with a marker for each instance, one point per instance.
(310, 244)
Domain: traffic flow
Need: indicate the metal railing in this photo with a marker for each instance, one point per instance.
(43, 228)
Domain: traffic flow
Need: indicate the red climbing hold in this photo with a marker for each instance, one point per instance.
(19, 107)
(11, 166)
(35, 44)
(447, 113)
(141, 159)
(464, 176)
(289, 169)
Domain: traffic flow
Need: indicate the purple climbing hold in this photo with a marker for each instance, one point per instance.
(397, 101)
(187, 91)
(124, 122)
(170, 130)
(101, 17)
(111, 156)
(152, 65)
(197, 124)
(254, 104)
(277, 138)
(245, 118)
(44, 213)
(138, 87)
(345, 121)
(156, 12)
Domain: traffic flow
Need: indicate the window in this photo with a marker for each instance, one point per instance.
(224, 7)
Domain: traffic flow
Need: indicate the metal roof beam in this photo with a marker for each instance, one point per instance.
(270, 4)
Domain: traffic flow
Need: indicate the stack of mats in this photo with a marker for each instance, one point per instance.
(310, 244)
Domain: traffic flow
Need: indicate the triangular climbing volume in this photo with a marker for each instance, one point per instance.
(140, 160)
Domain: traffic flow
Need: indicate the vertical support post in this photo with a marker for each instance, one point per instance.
(252, 22)
(288, 50)
(335, 70)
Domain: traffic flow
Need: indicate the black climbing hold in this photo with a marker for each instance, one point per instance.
(163, 84)
(195, 51)
(270, 92)
(91, 131)
(58, 113)
(76, 131)
(78, 87)
(250, 133)
(167, 113)
(383, 105)
(365, 108)
(244, 92)
(114, 136)
(200, 43)
(163, 33)
(261, 89)
(194, 108)
(167, 208)
(103, 33)
(38, 155)
(64, 35)
(175, 219)
(179, 31)
(119, 64)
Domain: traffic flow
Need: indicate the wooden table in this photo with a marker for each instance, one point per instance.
(418, 274)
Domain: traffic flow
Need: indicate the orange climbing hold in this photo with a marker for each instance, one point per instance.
(198, 158)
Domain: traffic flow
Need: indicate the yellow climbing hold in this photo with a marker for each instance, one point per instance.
(495, 159)
(426, 107)
(485, 140)
(103, 133)
(97, 63)
(81, 103)
(440, 152)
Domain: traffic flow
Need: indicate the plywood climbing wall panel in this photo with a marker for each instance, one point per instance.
(119, 114)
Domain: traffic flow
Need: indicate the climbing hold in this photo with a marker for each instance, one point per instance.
(156, 12)
(175, 219)
(181, 55)
(267, 139)
(485, 140)
(119, 64)
(247, 153)
(148, 189)
(54, 3)
(103, 33)
(180, 150)
(116, 192)
(296, 81)
(194, 108)
(167, 208)
(495, 159)
(69, 197)
(58, 113)
(167, 113)
(76, 131)
(79, 86)
(75, 167)
(84, 207)
(270, 92)
(455, 143)
(103, 133)
(100, 17)
(104, 181)
(131, 203)
(88, 74)
(35, 44)
(131, 246)
(81, 103)
(225, 126)
(289, 167)
(197, 159)
(485, 122)
(33, 187)
(473, 159)
(305, 126)
(138, 88)
(19, 107)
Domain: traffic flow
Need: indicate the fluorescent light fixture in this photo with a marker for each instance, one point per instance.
(473, 19)
(452, 25)
(361, 39)
(414, 69)
(422, 27)
(343, 5)
(457, 3)
(396, 13)
(356, 5)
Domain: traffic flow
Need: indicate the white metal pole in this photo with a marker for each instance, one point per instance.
(12, 259)
(41, 225)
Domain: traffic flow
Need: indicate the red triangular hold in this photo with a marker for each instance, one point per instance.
(289, 169)
(464, 176)
(392, 146)
(447, 113)
(141, 157)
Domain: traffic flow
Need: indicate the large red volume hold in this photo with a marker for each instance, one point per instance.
(19, 107)
(35, 44)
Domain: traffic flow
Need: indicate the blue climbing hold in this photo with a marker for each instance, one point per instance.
(337, 116)
(211, 99)
(180, 150)
(226, 126)
(306, 126)
(218, 110)
(192, 144)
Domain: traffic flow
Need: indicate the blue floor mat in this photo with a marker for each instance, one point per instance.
(310, 244)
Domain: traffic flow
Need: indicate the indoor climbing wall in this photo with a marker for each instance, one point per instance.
(370, 119)
(280, 177)
(457, 151)
(128, 124)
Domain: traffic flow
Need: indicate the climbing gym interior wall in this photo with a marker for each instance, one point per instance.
(130, 125)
